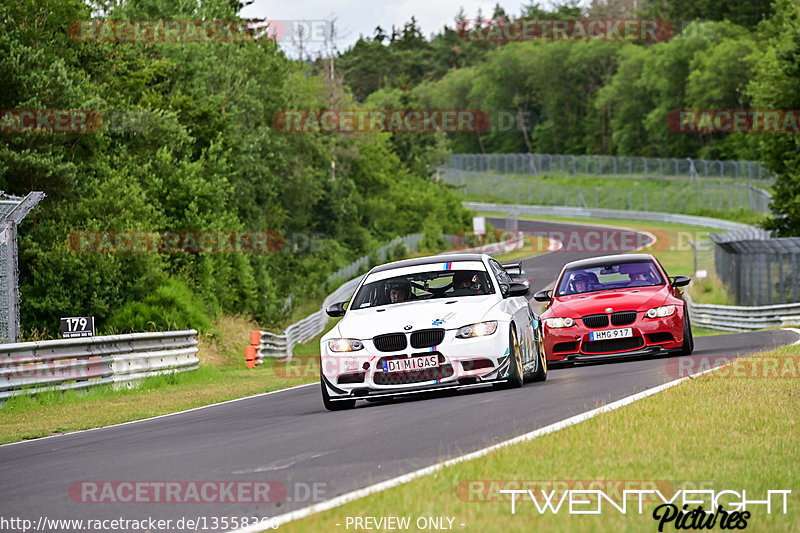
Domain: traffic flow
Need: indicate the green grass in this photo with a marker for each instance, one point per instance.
(222, 376)
(706, 433)
(705, 332)
(714, 198)
(28, 417)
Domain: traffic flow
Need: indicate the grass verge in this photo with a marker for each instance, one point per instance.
(713, 434)
(725, 199)
(222, 376)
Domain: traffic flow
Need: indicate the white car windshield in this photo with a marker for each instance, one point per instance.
(612, 276)
(423, 286)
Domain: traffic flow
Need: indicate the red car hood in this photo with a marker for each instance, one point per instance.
(633, 299)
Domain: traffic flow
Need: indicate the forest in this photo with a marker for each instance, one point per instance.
(189, 146)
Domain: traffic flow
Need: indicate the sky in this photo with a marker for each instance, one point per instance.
(357, 17)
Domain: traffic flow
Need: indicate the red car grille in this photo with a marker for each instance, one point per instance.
(612, 345)
(620, 318)
(623, 318)
(595, 321)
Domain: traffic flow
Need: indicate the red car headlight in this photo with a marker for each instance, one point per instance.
(558, 322)
(660, 312)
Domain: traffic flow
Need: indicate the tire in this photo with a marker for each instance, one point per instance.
(541, 368)
(688, 338)
(515, 378)
(333, 405)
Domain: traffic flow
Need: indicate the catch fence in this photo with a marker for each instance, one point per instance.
(757, 269)
(607, 165)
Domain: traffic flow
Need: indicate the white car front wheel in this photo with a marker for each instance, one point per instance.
(515, 378)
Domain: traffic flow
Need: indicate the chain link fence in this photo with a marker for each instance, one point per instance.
(12, 210)
(688, 198)
(605, 165)
(757, 269)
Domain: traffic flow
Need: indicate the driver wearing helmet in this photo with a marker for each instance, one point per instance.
(398, 291)
(640, 278)
(579, 282)
(463, 283)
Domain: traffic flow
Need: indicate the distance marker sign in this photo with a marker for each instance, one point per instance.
(77, 326)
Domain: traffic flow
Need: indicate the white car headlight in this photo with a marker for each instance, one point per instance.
(559, 322)
(481, 329)
(345, 345)
(658, 312)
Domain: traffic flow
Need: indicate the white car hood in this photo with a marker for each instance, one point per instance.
(366, 323)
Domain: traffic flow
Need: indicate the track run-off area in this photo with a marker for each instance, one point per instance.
(306, 455)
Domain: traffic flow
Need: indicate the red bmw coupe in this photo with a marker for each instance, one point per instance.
(612, 306)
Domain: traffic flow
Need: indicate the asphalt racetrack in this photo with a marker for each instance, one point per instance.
(288, 437)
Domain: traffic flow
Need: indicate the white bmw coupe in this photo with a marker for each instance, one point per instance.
(430, 323)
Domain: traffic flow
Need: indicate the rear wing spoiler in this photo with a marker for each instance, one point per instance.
(513, 268)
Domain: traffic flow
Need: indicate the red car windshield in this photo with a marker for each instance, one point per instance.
(613, 276)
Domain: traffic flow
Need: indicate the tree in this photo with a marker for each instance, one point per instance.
(776, 86)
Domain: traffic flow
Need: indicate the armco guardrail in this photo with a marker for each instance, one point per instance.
(616, 214)
(743, 318)
(31, 367)
(281, 345)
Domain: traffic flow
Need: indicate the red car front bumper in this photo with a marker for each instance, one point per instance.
(650, 336)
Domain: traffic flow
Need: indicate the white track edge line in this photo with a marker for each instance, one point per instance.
(38, 439)
(794, 330)
(405, 478)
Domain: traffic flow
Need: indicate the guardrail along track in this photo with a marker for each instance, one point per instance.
(31, 367)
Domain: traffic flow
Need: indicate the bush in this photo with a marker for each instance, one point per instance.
(434, 240)
(172, 306)
(400, 251)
